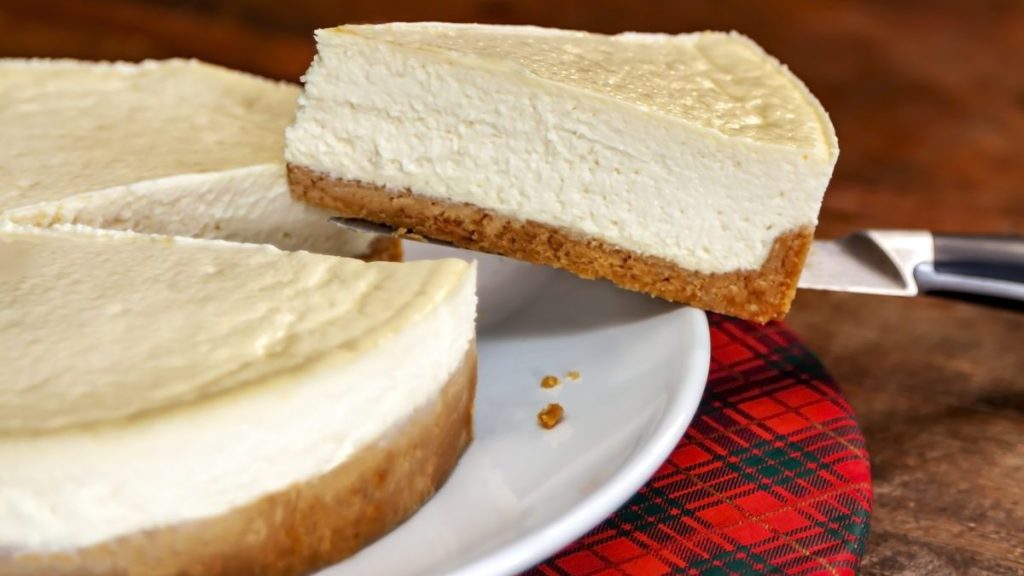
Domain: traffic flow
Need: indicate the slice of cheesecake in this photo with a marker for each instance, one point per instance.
(171, 147)
(179, 406)
(690, 167)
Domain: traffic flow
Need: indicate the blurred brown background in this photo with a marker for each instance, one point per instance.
(928, 100)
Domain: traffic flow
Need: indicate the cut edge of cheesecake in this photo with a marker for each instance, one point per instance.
(212, 206)
(760, 295)
(828, 143)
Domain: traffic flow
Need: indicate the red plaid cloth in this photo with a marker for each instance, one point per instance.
(771, 478)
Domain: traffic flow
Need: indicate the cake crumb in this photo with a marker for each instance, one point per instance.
(549, 381)
(407, 234)
(550, 416)
(573, 375)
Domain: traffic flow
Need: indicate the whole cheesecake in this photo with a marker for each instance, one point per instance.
(690, 167)
(170, 147)
(172, 406)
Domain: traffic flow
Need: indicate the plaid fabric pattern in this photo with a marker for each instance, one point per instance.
(771, 478)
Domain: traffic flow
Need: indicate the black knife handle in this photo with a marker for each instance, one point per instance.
(982, 265)
(991, 250)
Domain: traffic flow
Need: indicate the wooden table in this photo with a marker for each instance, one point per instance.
(928, 100)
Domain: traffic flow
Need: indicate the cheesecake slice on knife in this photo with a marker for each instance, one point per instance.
(689, 167)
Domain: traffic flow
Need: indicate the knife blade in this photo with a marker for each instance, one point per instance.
(912, 262)
(882, 262)
(861, 263)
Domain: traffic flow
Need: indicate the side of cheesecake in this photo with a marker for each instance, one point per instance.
(249, 204)
(690, 167)
(169, 147)
(179, 406)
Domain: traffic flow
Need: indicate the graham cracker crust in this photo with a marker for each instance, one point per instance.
(384, 249)
(759, 295)
(306, 526)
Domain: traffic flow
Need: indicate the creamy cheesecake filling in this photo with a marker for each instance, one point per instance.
(482, 115)
(248, 204)
(73, 127)
(82, 485)
(210, 317)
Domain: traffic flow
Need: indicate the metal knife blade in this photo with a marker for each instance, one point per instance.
(870, 262)
(884, 262)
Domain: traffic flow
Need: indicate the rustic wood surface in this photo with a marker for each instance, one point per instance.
(928, 100)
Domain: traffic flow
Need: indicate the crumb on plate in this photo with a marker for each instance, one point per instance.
(550, 416)
(549, 381)
(573, 375)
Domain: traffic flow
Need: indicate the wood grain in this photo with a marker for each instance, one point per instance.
(928, 100)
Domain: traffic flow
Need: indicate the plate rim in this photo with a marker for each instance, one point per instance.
(541, 543)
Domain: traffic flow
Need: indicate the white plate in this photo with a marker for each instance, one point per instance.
(520, 493)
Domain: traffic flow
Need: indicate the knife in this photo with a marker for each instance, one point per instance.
(912, 262)
(883, 262)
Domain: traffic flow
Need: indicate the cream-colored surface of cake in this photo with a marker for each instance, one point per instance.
(150, 381)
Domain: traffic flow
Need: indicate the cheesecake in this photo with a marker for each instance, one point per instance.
(691, 167)
(177, 406)
(170, 147)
